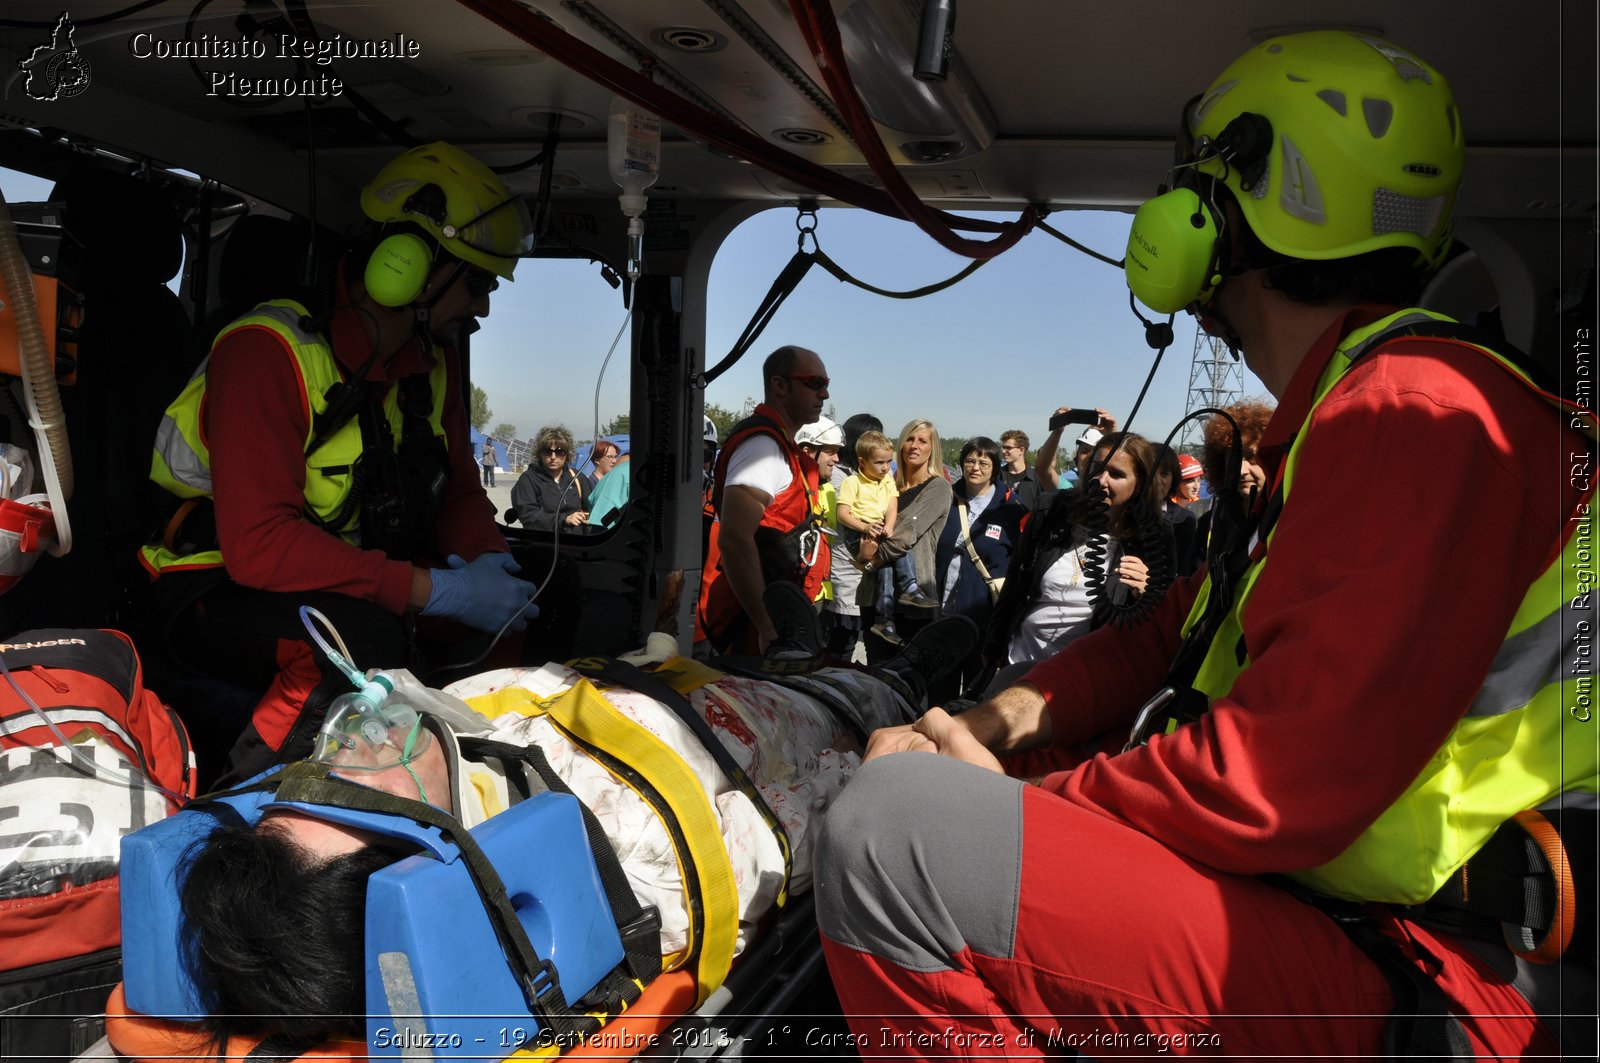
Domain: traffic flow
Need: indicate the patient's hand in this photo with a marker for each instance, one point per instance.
(936, 732)
(903, 739)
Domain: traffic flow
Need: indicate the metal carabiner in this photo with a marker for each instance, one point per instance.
(805, 221)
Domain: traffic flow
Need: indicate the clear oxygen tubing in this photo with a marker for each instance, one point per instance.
(600, 379)
(338, 653)
(41, 394)
(134, 779)
(313, 620)
(373, 692)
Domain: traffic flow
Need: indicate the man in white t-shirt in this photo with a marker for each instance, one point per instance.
(764, 488)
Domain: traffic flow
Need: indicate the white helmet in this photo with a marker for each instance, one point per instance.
(711, 430)
(820, 433)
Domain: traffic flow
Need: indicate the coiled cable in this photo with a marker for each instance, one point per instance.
(1152, 542)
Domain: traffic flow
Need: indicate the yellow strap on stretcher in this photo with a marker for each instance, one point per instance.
(587, 717)
(686, 675)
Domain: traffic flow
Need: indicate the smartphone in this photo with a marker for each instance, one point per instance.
(1061, 420)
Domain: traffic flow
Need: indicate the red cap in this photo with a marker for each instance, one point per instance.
(1189, 467)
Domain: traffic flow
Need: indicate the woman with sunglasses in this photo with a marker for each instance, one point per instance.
(552, 495)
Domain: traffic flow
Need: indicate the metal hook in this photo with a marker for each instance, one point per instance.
(805, 221)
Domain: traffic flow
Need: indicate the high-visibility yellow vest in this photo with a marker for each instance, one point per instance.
(1525, 738)
(182, 460)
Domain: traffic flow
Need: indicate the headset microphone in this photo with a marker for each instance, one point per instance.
(1157, 334)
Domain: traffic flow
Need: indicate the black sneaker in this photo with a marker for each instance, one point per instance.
(798, 645)
(917, 600)
(929, 656)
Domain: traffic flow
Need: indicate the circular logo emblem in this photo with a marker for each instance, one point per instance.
(68, 74)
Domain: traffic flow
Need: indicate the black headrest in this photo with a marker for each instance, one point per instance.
(128, 227)
(261, 259)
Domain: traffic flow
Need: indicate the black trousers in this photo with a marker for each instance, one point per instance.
(253, 642)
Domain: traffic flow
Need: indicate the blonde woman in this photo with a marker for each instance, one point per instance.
(923, 503)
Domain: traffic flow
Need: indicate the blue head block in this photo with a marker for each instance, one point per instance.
(436, 973)
(155, 961)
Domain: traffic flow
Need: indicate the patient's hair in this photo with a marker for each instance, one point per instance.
(276, 939)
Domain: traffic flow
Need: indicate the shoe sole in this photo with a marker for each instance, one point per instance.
(760, 667)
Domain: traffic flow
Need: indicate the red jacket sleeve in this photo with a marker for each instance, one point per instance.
(256, 418)
(1420, 513)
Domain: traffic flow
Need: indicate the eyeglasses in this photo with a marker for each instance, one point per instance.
(976, 463)
(1009, 446)
(480, 282)
(815, 383)
(559, 452)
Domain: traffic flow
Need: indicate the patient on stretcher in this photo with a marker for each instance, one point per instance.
(275, 908)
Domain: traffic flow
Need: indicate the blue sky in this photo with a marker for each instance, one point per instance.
(1039, 327)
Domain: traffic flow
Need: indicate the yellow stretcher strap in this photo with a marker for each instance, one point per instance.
(661, 778)
(672, 691)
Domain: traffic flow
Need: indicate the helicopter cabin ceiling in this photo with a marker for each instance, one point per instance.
(1061, 102)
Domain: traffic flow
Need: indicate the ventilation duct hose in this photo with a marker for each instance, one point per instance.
(40, 391)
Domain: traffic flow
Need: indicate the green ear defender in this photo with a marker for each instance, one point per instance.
(1172, 258)
(398, 269)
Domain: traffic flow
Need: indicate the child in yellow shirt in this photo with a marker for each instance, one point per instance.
(867, 507)
(868, 499)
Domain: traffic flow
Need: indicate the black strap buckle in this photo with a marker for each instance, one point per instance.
(642, 932)
(543, 981)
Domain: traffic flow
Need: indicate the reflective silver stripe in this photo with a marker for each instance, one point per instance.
(1530, 660)
(1577, 799)
(181, 459)
(404, 1004)
(1414, 317)
(288, 318)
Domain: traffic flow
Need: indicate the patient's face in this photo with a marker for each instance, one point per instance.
(328, 840)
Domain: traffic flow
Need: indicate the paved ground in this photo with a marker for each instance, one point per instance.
(500, 493)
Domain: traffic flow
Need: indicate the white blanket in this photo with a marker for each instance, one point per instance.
(792, 747)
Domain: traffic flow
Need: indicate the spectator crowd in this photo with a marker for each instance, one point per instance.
(1036, 547)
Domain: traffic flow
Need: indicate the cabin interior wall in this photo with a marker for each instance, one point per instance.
(1531, 261)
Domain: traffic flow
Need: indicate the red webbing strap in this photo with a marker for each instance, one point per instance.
(821, 31)
(534, 30)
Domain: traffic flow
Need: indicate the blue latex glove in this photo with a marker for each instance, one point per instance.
(481, 593)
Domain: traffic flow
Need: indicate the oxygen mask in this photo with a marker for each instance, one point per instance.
(371, 730)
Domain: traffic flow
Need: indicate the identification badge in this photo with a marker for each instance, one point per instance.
(992, 531)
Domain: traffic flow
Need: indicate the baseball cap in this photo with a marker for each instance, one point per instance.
(1091, 437)
(820, 433)
(1189, 467)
